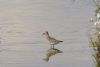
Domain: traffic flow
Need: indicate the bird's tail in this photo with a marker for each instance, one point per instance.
(60, 41)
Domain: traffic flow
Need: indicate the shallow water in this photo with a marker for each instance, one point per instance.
(22, 23)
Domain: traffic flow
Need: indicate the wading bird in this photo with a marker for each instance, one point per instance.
(52, 41)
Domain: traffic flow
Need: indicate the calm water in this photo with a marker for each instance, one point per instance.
(22, 23)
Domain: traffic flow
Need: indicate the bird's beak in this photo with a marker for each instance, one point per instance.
(42, 34)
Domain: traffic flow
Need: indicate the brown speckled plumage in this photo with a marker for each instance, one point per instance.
(51, 40)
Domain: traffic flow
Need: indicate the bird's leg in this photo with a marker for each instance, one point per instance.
(53, 46)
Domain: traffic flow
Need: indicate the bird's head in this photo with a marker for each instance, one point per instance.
(45, 33)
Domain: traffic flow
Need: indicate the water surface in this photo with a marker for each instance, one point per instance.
(22, 23)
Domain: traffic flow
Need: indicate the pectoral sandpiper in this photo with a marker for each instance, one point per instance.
(52, 41)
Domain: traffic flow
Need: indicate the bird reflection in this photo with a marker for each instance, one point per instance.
(50, 52)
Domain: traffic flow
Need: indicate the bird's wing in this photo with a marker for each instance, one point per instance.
(52, 38)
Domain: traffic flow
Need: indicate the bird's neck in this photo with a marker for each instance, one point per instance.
(47, 36)
(46, 59)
